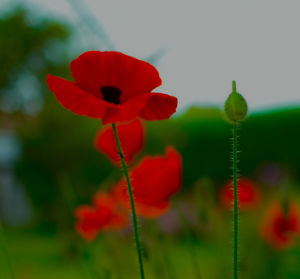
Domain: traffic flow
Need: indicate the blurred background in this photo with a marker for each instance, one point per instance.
(48, 164)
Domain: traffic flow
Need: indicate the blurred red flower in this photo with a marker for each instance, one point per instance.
(103, 215)
(131, 137)
(280, 227)
(114, 87)
(154, 181)
(249, 195)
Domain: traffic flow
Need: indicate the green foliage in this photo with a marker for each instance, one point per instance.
(29, 48)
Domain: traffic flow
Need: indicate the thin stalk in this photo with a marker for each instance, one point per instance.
(235, 205)
(134, 218)
(5, 252)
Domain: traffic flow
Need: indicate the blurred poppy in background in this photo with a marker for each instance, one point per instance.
(114, 87)
(281, 225)
(132, 137)
(104, 215)
(154, 181)
(249, 195)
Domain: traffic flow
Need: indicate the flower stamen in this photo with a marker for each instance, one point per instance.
(111, 94)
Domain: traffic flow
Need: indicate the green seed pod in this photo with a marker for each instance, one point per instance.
(235, 105)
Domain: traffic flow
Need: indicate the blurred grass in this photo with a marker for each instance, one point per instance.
(36, 255)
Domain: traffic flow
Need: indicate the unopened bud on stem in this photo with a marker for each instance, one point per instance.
(235, 105)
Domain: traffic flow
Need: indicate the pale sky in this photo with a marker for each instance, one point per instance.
(207, 43)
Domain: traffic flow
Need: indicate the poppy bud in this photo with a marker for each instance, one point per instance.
(235, 105)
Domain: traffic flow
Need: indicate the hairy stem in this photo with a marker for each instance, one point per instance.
(235, 205)
(134, 218)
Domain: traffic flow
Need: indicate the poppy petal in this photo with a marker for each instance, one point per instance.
(85, 226)
(86, 232)
(159, 106)
(125, 112)
(166, 181)
(279, 228)
(249, 195)
(94, 69)
(82, 211)
(131, 138)
(75, 99)
(154, 181)
(149, 106)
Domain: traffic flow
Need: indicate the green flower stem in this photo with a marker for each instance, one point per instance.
(235, 205)
(234, 86)
(5, 252)
(134, 218)
(236, 109)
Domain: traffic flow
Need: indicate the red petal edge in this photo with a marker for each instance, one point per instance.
(94, 69)
(75, 99)
(159, 106)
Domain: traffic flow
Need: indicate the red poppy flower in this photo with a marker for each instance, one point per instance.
(114, 87)
(280, 228)
(154, 181)
(249, 195)
(103, 215)
(131, 137)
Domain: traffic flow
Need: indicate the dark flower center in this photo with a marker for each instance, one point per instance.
(111, 94)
